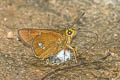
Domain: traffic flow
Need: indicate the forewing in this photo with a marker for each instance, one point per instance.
(27, 35)
(46, 44)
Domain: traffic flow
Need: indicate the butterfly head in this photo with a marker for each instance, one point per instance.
(70, 33)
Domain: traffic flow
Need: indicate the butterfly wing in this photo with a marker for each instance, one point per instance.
(27, 35)
(46, 44)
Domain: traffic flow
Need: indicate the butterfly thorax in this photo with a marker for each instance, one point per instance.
(68, 34)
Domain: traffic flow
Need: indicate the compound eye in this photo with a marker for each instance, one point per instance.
(69, 32)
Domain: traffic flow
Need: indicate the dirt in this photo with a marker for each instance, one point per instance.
(97, 40)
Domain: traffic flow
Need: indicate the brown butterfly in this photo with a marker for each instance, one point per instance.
(47, 42)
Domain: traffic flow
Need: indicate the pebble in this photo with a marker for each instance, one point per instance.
(10, 35)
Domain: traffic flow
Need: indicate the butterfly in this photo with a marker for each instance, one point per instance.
(47, 42)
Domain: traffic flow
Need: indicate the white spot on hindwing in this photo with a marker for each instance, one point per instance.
(41, 45)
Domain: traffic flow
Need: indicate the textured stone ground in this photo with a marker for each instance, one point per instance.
(102, 17)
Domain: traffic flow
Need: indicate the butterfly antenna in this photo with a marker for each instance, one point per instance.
(77, 19)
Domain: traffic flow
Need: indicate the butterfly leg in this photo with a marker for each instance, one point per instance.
(64, 53)
(74, 50)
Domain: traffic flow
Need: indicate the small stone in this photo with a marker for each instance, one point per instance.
(5, 19)
(113, 54)
(115, 36)
(10, 35)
